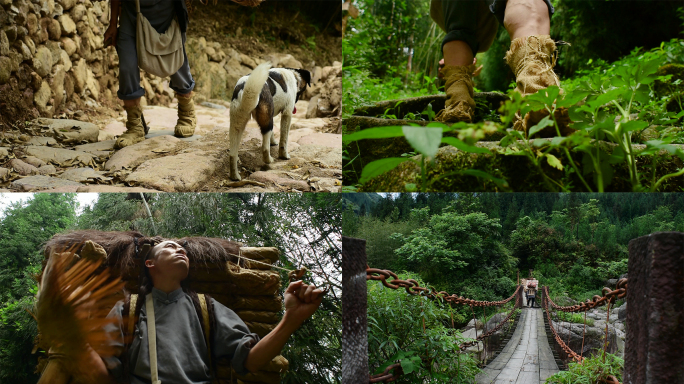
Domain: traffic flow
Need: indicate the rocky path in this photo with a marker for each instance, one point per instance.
(527, 358)
(70, 156)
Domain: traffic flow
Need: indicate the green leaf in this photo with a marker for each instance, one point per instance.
(634, 125)
(572, 98)
(423, 139)
(378, 167)
(554, 162)
(410, 365)
(545, 122)
(374, 133)
(455, 142)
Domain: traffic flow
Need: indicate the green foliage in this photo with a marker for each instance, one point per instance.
(24, 227)
(574, 318)
(17, 332)
(417, 332)
(590, 371)
(613, 103)
(602, 29)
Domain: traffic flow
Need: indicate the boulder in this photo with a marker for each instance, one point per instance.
(80, 73)
(42, 62)
(42, 97)
(4, 44)
(67, 24)
(57, 85)
(67, 4)
(41, 182)
(5, 69)
(61, 156)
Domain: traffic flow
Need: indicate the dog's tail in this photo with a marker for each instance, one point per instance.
(253, 86)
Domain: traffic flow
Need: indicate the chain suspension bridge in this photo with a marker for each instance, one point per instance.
(655, 322)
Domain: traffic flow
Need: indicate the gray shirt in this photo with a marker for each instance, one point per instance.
(181, 348)
(159, 13)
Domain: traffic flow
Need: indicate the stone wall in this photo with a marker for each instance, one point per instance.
(52, 55)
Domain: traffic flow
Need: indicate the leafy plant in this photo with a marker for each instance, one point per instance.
(411, 330)
(591, 370)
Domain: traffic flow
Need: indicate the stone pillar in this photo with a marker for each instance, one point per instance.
(655, 314)
(354, 307)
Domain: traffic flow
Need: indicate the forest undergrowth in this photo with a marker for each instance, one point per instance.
(613, 107)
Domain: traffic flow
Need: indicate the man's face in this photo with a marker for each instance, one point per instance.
(169, 259)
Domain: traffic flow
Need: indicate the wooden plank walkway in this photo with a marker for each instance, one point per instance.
(527, 358)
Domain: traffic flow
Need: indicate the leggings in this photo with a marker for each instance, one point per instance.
(129, 73)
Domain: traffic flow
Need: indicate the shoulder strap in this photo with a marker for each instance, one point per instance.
(152, 340)
(205, 319)
(131, 318)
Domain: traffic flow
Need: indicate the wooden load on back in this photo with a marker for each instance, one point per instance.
(218, 268)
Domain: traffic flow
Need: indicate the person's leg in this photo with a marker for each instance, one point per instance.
(527, 18)
(130, 91)
(459, 21)
(532, 56)
(183, 83)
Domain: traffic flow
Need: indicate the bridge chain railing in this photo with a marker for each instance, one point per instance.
(608, 297)
(413, 288)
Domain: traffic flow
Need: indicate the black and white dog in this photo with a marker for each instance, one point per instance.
(264, 94)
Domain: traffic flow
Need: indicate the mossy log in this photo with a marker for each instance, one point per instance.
(416, 105)
(517, 170)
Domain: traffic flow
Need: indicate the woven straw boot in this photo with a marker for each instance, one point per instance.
(460, 105)
(187, 121)
(135, 130)
(532, 59)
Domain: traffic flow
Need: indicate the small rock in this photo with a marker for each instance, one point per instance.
(246, 60)
(67, 4)
(60, 155)
(48, 169)
(42, 96)
(69, 45)
(67, 24)
(42, 62)
(4, 44)
(4, 152)
(71, 131)
(274, 178)
(54, 29)
(36, 162)
(112, 188)
(40, 140)
(4, 173)
(101, 148)
(84, 175)
(5, 69)
(41, 182)
(22, 168)
(212, 105)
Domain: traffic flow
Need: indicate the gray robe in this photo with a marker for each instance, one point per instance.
(181, 348)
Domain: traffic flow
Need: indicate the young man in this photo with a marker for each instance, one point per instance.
(182, 355)
(159, 13)
(471, 27)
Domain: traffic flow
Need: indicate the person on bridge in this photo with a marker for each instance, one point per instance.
(531, 292)
(471, 26)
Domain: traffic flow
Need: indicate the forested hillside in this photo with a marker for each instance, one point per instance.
(473, 244)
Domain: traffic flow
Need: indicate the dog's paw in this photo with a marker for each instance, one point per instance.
(268, 159)
(284, 155)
